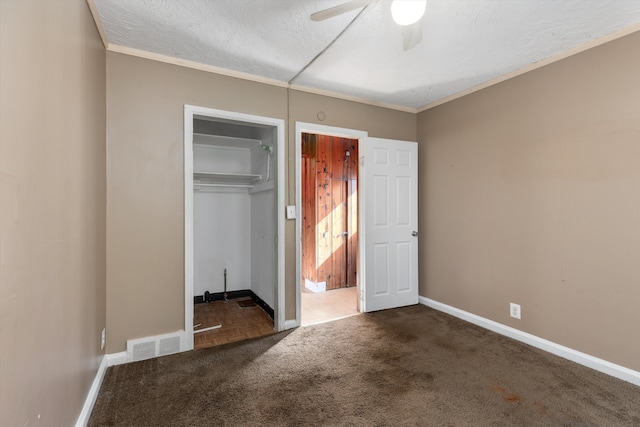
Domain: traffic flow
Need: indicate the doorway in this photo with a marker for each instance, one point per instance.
(387, 258)
(329, 227)
(234, 226)
(329, 212)
(328, 168)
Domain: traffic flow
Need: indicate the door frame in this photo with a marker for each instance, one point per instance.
(279, 125)
(302, 127)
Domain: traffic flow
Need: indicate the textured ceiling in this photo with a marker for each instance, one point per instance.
(465, 43)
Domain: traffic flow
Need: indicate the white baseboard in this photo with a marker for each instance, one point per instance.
(290, 324)
(114, 359)
(317, 287)
(83, 419)
(106, 361)
(584, 359)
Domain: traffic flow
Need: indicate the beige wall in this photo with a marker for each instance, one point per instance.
(145, 256)
(530, 193)
(52, 209)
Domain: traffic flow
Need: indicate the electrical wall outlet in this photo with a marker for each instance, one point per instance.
(103, 338)
(514, 310)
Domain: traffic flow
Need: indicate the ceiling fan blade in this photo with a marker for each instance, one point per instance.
(411, 35)
(340, 9)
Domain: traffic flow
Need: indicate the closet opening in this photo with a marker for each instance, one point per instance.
(329, 229)
(233, 226)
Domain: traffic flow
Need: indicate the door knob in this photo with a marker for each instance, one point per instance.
(414, 234)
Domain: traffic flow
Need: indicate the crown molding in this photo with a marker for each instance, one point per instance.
(279, 83)
(98, 21)
(246, 76)
(353, 98)
(562, 55)
(192, 64)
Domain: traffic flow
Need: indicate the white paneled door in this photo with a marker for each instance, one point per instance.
(391, 223)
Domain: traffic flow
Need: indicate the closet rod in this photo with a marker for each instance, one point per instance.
(222, 185)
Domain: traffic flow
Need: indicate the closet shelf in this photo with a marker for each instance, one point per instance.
(225, 141)
(225, 178)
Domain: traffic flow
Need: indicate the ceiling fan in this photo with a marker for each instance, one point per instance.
(406, 13)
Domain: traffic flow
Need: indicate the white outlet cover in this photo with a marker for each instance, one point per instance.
(514, 310)
(103, 339)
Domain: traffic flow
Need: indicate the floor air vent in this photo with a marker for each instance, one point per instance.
(160, 345)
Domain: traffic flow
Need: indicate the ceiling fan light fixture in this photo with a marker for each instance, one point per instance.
(407, 12)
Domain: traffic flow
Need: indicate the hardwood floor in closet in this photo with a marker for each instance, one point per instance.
(238, 322)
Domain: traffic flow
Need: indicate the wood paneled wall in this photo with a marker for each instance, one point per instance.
(330, 210)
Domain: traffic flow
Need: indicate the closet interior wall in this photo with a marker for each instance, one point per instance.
(234, 208)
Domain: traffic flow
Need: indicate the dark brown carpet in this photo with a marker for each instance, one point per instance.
(412, 366)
